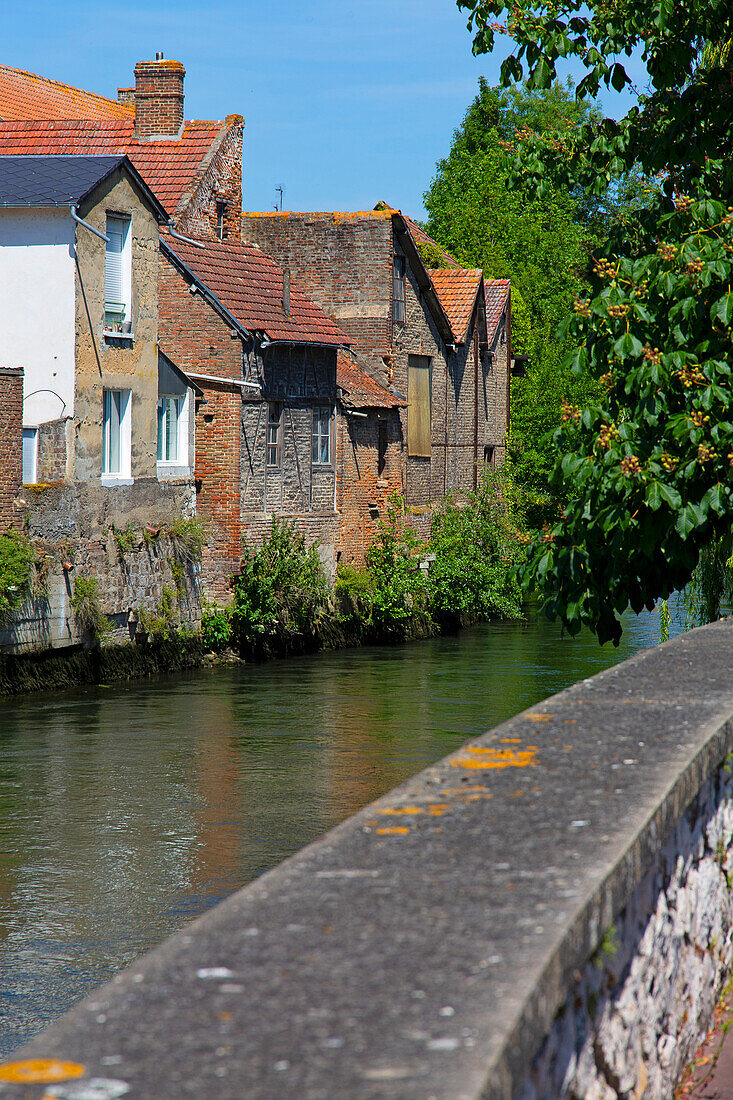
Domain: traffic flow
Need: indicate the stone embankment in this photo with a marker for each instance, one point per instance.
(545, 913)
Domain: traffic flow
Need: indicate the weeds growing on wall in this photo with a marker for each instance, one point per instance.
(160, 624)
(189, 538)
(16, 563)
(87, 603)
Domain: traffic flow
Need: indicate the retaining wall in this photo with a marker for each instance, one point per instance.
(545, 913)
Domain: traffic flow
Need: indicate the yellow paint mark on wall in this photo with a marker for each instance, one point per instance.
(393, 830)
(401, 810)
(496, 758)
(511, 740)
(41, 1070)
(540, 717)
(437, 809)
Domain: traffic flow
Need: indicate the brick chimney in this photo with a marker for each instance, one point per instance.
(158, 99)
(126, 96)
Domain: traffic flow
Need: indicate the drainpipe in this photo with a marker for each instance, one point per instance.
(186, 240)
(80, 221)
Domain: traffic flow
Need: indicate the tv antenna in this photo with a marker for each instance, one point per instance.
(280, 191)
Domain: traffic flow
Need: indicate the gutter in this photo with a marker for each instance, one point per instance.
(225, 381)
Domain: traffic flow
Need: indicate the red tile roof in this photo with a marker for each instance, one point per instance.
(497, 292)
(361, 391)
(457, 288)
(28, 96)
(250, 286)
(168, 167)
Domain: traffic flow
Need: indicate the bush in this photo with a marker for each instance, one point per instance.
(477, 547)
(216, 627)
(393, 561)
(16, 559)
(280, 594)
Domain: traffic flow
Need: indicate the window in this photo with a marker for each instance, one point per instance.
(116, 434)
(118, 277)
(274, 433)
(321, 438)
(489, 456)
(222, 231)
(398, 290)
(418, 411)
(171, 430)
(382, 442)
(30, 455)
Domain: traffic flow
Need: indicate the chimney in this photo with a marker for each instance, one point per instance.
(286, 291)
(126, 96)
(158, 99)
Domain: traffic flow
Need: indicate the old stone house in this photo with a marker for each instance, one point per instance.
(194, 168)
(439, 338)
(265, 358)
(107, 426)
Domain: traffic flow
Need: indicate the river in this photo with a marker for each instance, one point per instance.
(128, 810)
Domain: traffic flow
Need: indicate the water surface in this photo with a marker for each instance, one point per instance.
(127, 811)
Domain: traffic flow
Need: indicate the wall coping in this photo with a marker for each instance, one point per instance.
(427, 960)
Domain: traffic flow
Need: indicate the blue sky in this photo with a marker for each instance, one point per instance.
(343, 105)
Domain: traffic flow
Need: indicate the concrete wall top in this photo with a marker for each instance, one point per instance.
(422, 948)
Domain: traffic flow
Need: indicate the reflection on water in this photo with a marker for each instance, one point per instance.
(126, 811)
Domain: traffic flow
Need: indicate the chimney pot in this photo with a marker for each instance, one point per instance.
(158, 99)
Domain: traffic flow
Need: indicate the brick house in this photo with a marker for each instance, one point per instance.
(265, 359)
(369, 456)
(194, 168)
(440, 338)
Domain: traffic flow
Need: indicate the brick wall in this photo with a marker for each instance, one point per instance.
(158, 99)
(52, 451)
(362, 490)
(11, 442)
(343, 262)
(196, 339)
(221, 180)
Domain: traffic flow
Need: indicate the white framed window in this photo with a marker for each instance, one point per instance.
(274, 434)
(321, 437)
(118, 276)
(30, 456)
(116, 435)
(172, 430)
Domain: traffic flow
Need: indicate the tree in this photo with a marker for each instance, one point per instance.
(650, 464)
(542, 244)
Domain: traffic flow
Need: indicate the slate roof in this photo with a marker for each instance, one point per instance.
(64, 180)
(457, 288)
(250, 287)
(25, 95)
(497, 292)
(361, 391)
(169, 167)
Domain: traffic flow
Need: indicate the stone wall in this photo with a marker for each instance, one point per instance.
(363, 491)
(11, 443)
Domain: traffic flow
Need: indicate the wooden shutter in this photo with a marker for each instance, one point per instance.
(418, 412)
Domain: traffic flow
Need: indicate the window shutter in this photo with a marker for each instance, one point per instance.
(418, 411)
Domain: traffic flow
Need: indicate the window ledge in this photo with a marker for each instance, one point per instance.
(110, 335)
(111, 481)
(172, 469)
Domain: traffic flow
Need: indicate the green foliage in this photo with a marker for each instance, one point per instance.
(125, 538)
(86, 600)
(161, 623)
(281, 591)
(476, 546)
(393, 561)
(543, 245)
(432, 255)
(188, 536)
(646, 469)
(16, 561)
(216, 627)
(711, 584)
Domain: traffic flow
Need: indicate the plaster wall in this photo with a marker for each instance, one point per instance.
(37, 307)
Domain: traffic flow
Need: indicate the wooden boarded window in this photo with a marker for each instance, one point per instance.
(418, 412)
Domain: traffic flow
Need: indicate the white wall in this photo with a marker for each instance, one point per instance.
(37, 312)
